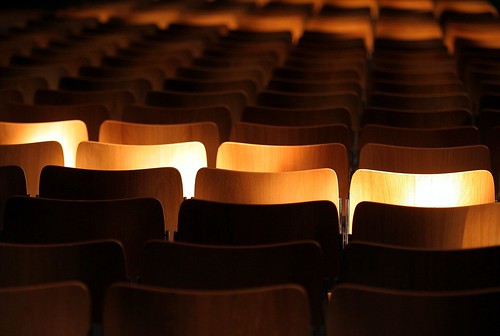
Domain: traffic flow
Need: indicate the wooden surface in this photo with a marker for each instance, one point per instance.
(219, 115)
(133, 222)
(425, 227)
(405, 268)
(119, 132)
(422, 190)
(290, 135)
(421, 102)
(60, 309)
(265, 158)
(114, 100)
(187, 157)
(145, 310)
(424, 160)
(208, 267)
(217, 223)
(92, 115)
(31, 158)
(400, 136)
(68, 133)
(97, 264)
(242, 187)
(164, 184)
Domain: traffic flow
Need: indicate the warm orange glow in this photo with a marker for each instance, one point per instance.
(424, 190)
(187, 157)
(68, 133)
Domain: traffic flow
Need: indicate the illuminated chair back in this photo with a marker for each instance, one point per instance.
(279, 310)
(119, 132)
(68, 133)
(266, 158)
(50, 309)
(186, 157)
(420, 190)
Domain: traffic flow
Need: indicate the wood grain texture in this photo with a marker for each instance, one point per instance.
(425, 227)
(424, 160)
(265, 158)
(53, 309)
(146, 310)
(421, 190)
(231, 186)
(31, 158)
(208, 267)
(164, 184)
(119, 132)
(187, 157)
(68, 133)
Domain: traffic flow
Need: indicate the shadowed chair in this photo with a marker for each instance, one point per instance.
(420, 190)
(186, 157)
(147, 310)
(12, 183)
(133, 222)
(11, 96)
(362, 310)
(420, 102)
(152, 74)
(97, 264)
(51, 73)
(119, 132)
(28, 86)
(208, 267)
(417, 119)
(51, 309)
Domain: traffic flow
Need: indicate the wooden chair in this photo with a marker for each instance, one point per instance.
(53, 309)
(114, 100)
(28, 86)
(186, 157)
(291, 135)
(221, 223)
(31, 220)
(417, 119)
(152, 74)
(146, 310)
(235, 101)
(97, 264)
(295, 85)
(405, 268)
(465, 226)
(164, 184)
(219, 115)
(68, 133)
(440, 102)
(11, 96)
(417, 89)
(420, 190)
(119, 132)
(431, 138)
(362, 310)
(138, 87)
(51, 73)
(493, 143)
(265, 158)
(208, 267)
(12, 183)
(416, 160)
(30, 158)
(92, 115)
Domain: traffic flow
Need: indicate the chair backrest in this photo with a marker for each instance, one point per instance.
(420, 190)
(266, 158)
(424, 160)
(219, 115)
(209, 267)
(421, 102)
(405, 268)
(49, 221)
(243, 187)
(164, 184)
(92, 115)
(12, 183)
(119, 132)
(68, 133)
(290, 135)
(427, 227)
(218, 223)
(31, 158)
(27, 85)
(51, 309)
(146, 310)
(95, 263)
(186, 157)
(400, 136)
(362, 310)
